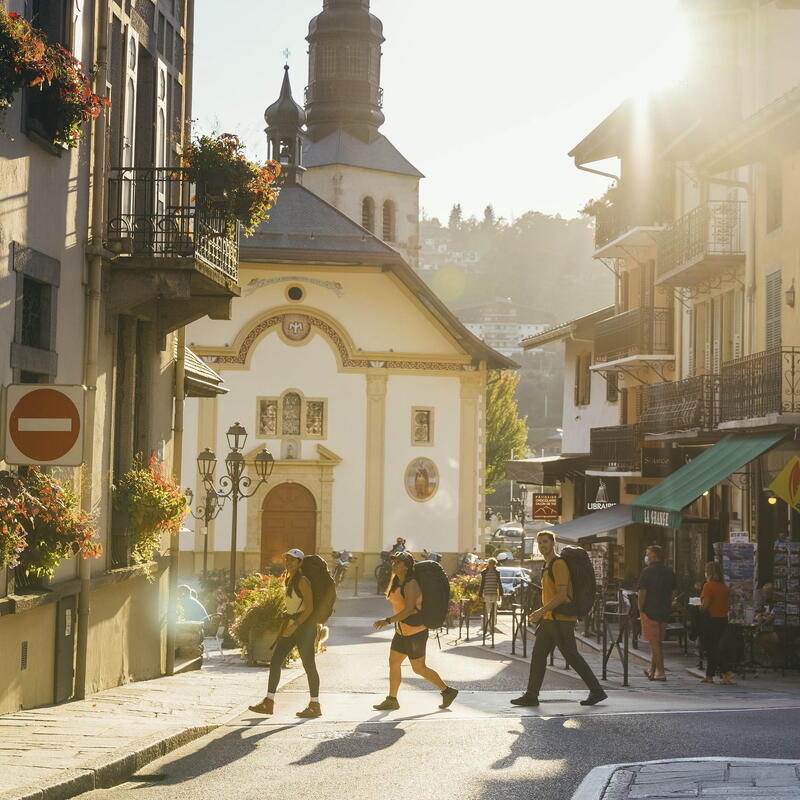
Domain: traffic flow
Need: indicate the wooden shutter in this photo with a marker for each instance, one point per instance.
(716, 335)
(692, 340)
(577, 393)
(773, 309)
(738, 323)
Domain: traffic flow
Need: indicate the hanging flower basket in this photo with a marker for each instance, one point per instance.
(22, 56)
(153, 504)
(14, 507)
(228, 182)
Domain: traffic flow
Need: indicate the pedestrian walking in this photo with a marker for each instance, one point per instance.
(298, 630)
(490, 591)
(556, 628)
(714, 599)
(656, 585)
(410, 641)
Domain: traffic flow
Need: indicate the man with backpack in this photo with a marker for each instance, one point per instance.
(556, 619)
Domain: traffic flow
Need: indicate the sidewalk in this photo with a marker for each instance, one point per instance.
(744, 779)
(60, 751)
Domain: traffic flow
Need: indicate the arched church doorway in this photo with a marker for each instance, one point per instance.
(288, 519)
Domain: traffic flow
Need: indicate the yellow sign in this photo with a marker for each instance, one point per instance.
(787, 484)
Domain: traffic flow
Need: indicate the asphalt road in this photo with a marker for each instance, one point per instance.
(479, 749)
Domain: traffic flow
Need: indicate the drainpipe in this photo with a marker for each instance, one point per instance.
(596, 171)
(92, 325)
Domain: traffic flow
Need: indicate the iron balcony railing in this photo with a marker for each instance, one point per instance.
(712, 230)
(626, 213)
(156, 212)
(761, 384)
(689, 404)
(640, 331)
(616, 448)
(609, 223)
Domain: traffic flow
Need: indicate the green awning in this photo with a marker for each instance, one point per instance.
(662, 505)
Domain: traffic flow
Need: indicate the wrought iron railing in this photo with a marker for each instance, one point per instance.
(617, 448)
(689, 404)
(713, 229)
(156, 211)
(609, 223)
(761, 384)
(640, 331)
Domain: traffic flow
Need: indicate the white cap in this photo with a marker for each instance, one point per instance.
(295, 553)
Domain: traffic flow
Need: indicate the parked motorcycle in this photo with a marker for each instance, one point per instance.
(429, 555)
(383, 572)
(342, 560)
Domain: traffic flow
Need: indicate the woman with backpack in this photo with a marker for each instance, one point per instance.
(299, 630)
(409, 640)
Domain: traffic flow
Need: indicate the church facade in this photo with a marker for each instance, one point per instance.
(340, 360)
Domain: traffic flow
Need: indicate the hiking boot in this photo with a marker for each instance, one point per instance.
(526, 700)
(448, 695)
(311, 711)
(595, 696)
(389, 704)
(266, 706)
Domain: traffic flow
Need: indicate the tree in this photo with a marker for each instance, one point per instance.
(489, 220)
(454, 223)
(506, 431)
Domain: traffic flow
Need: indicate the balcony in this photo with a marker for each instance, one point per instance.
(702, 243)
(690, 405)
(174, 259)
(624, 226)
(635, 337)
(761, 389)
(615, 449)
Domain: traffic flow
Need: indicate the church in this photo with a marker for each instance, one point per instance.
(338, 358)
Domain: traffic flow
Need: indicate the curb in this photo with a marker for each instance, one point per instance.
(594, 785)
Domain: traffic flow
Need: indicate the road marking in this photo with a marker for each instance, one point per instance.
(44, 424)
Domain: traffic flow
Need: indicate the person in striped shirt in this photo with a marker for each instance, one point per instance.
(491, 590)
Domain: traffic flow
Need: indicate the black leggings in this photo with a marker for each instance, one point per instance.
(715, 646)
(304, 638)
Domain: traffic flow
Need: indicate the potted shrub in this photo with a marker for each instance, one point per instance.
(13, 508)
(153, 504)
(228, 182)
(258, 614)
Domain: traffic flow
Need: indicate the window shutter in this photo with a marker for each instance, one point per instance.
(692, 341)
(716, 335)
(738, 323)
(587, 377)
(773, 310)
(577, 398)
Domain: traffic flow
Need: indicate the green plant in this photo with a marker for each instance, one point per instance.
(466, 588)
(258, 607)
(228, 182)
(154, 504)
(22, 54)
(506, 431)
(13, 508)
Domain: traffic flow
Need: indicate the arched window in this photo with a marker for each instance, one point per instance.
(388, 221)
(368, 214)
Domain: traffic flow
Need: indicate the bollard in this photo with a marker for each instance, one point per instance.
(355, 591)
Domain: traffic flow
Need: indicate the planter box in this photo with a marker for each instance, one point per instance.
(260, 648)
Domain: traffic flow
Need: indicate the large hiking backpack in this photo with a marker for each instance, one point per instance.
(581, 573)
(435, 588)
(323, 587)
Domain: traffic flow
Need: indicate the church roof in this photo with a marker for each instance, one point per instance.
(341, 147)
(304, 229)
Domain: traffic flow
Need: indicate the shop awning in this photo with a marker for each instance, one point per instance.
(662, 505)
(608, 519)
(545, 471)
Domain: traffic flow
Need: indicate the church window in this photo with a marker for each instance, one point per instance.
(327, 61)
(368, 214)
(315, 417)
(388, 221)
(267, 417)
(290, 416)
(421, 425)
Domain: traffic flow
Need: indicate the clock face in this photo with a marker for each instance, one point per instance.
(132, 53)
(162, 86)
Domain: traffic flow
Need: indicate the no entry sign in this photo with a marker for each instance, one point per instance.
(44, 425)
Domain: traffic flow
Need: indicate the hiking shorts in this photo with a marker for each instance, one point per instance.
(412, 646)
(652, 629)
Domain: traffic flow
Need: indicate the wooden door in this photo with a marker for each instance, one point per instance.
(288, 519)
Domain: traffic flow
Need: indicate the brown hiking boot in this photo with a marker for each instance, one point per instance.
(266, 706)
(311, 711)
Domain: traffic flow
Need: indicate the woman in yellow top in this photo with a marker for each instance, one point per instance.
(409, 641)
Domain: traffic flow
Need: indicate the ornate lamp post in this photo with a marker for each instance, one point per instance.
(209, 510)
(236, 484)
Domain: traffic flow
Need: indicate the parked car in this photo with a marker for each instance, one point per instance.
(512, 578)
(509, 533)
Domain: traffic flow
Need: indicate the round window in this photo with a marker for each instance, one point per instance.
(295, 293)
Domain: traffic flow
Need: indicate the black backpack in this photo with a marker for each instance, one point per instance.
(581, 573)
(435, 588)
(323, 587)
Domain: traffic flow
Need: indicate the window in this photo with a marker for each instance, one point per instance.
(368, 214)
(267, 423)
(583, 379)
(774, 195)
(388, 221)
(773, 309)
(612, 387)
(291, 415)
(421, 426)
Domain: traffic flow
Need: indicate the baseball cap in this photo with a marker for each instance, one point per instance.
(295, 553)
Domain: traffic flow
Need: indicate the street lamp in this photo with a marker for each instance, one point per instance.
(236, 484)
(209, 510)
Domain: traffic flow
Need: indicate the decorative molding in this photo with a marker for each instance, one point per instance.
(260, 283)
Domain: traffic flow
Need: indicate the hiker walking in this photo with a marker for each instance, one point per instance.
(409, 640)
(556, 629)
(299, 630)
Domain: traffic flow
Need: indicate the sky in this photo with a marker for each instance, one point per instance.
(484, 98)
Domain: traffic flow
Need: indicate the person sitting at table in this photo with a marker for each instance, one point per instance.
(714, 599)
(767, 637)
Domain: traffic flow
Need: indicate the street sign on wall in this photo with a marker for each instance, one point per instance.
(43, 425)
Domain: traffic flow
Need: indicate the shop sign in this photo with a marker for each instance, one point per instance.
(546, 506)
(739, 537)
(601, 493)
(656, 516)
(658, 462)
(787, 484)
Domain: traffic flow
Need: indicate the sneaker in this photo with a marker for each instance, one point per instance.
(595, 696)
(389, 704)
(311, 711)
(525, 700)
(448, 695)
(266, 706)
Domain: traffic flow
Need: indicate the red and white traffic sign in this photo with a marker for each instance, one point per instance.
(44, 424)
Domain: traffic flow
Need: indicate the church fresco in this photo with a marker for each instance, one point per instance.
(421, 479)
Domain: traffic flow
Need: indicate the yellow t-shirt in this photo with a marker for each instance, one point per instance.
(557, 574)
